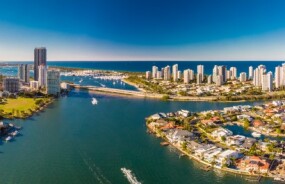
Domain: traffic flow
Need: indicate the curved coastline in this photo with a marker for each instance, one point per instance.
(191, 156)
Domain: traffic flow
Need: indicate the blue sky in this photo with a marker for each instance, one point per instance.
(143, 30)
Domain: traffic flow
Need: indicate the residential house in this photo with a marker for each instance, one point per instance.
(225, 157)
(253, 164)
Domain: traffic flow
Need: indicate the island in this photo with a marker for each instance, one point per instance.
(208, 138)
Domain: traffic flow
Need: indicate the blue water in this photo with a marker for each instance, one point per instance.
(74, 141)
(142, 66)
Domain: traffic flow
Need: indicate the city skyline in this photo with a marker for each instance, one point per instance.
(139, 31)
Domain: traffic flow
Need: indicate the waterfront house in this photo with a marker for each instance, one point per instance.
(277, 103)
(225, 157)
(253, 164)
(211, 155)
(201, 150)
(221, 132)
(244, 116)
(235, 140)
(192, 145)
(155, 116)
(183, 113)
(178, 135)
(248, 143)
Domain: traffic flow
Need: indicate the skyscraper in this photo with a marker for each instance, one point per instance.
(242, 77)
(147, 75)
(277, 77)
(175, 72)
(215, 73)
(250, 72)
(42, 76)
(267, 82)
(53, 82)
(167, 73)
(24, 73)
(154, 71)
(233, 72)
(223, 71)
(200, 71)
(40, 58)
(186, 76)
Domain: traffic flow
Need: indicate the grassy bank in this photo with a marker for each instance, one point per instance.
(22, 107)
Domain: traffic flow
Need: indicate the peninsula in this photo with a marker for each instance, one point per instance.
(206, 137)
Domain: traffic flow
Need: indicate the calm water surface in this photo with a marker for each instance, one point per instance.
(76, 142)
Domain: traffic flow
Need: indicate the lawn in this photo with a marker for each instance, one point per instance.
(21, 104)
(20, 107)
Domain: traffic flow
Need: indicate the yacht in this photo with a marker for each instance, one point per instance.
(255, 134)
(94, 101)
(8, 138)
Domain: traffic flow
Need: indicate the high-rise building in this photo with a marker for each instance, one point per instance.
(11, 84)
(270, 81)
(162, 72)
(258, 75)
(175, 72)
(34, 85)
(147, 75)
(209, 79)
(40, 58)
(233, 72)
(24, 73)
(42, 76)
(282, 83)
(242, 77)
(179, 76)
(215, 73)
(250, 73)
(191, 74)
(186, 76)
(277, 77)
(154, 71)
(222, 71)
(159, 75)
(219, 80)
(200, 70)
(53, 82)
(167, 74)
(229, 74)
(267, 82)
(199, 78)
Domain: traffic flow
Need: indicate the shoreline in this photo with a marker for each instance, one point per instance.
(31, 113)
(143, 94)
(191, 156)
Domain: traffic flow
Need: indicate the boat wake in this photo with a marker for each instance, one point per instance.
(97, 173)
(131, 177)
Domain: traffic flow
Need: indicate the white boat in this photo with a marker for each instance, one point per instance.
(131, 178)
(8, 138)
(94, 101)
(279, 179)
(15, 133)
(255, 134)
(80, 80)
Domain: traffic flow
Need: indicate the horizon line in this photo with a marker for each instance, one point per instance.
(146, 60)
